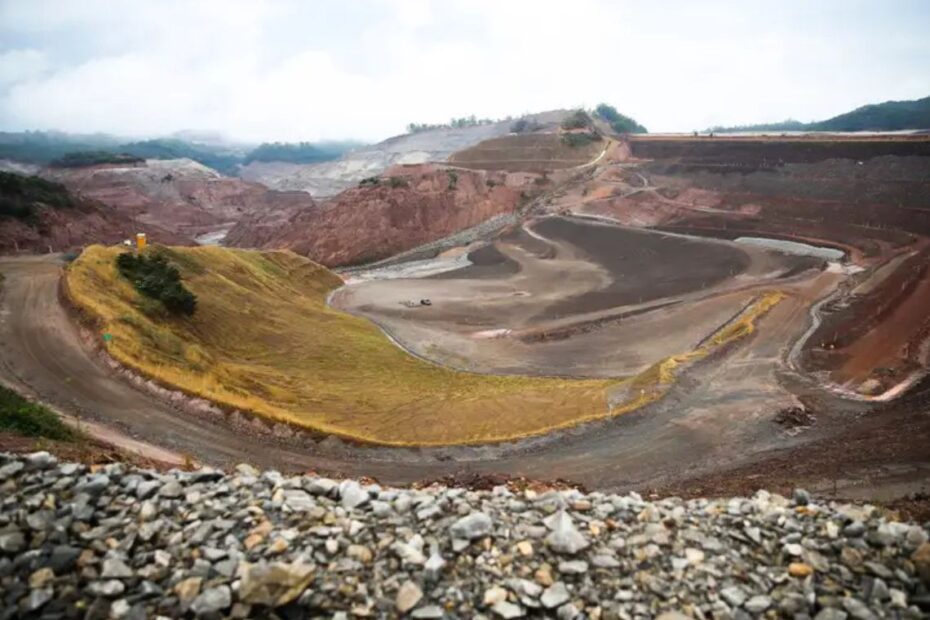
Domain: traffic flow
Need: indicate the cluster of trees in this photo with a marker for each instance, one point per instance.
(155, 277)
(578, 119)
(42, 147)
(455, 123)
(299, 152)
(20, 195)
(79, 159)
(222, 160)
(525, 125)
(620, 123)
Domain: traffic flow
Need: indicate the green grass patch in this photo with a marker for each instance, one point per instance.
(31, 419)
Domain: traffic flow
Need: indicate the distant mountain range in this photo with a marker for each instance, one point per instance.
(888, 116)
(51, 147)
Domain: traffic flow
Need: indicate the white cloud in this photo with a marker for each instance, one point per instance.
(289, 70)
(21, 65)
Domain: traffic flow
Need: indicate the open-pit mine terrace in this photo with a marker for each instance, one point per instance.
(676, 309)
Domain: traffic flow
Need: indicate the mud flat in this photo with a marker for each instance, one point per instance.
(625, 299)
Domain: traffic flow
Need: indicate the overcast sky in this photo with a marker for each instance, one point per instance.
(321, 69)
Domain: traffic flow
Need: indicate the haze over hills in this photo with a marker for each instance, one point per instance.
(48, 147)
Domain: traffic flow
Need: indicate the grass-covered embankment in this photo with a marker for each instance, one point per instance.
(23, 417)
(264, 340)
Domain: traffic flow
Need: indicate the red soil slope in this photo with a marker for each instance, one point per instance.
(178, 195)
(408, 207)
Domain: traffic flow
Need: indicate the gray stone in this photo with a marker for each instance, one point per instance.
(574, 567)
(94, 484)
(758, 604)
(733, 595)
(507, 610)
(212, 600)
(38, 597)
(110, 588)
(605, 561)
(857, 609)
(298, 500)
(475, 525)
(11, 469)
(427, 612)
(801, 497)
(40, 460)
(352, 495)
(62, 558)
(147, 488)
(564, 537)
(171, 490)
(115, 568)
(554, 595)
(12, 541)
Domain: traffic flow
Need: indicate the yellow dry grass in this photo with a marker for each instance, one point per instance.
(263, 340)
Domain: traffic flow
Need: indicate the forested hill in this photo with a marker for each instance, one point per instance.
(887, 116)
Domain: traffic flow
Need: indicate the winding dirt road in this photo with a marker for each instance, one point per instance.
(694, 429)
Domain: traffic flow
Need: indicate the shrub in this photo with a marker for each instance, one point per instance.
(575, 140)
(19, 196)
(30, 419)
(525, 125)
(618, 122)
(156, 278)
(578, 119)
(453, 179)
(369, 181)
(396, 182)
(80, 159)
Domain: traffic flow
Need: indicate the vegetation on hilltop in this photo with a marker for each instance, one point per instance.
(579, 119)
(455, 123)
(300, 152)
(42, 147)
(221, 160)
(887, 116)
(153, 276)
(620, 123)
(79, 159)
(60, 149)
(21, 195)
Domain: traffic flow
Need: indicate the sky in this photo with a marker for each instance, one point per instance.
(294, 70)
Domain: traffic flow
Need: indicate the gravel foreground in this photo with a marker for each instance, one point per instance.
(122, 542)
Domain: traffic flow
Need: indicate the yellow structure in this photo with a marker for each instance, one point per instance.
(140, 241)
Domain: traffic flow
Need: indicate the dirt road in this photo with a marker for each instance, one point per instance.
(680, 437)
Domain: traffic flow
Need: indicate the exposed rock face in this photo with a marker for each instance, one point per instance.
(181, 195)
(424, 203)
(231, 545)
(330, 178)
